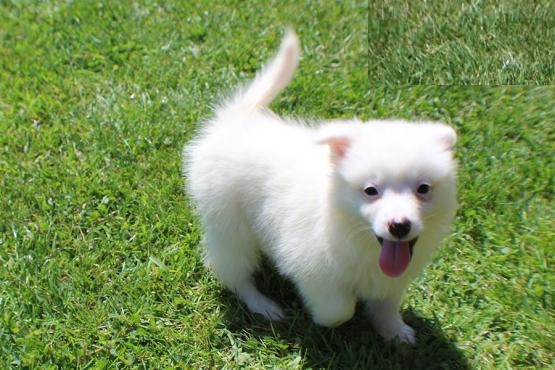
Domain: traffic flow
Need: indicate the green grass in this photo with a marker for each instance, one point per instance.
(99, 249)
(461, 42)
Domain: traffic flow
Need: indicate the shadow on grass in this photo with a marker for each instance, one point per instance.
(353, 345)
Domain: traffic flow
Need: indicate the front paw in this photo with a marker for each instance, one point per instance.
(406, 334)
(399, 332)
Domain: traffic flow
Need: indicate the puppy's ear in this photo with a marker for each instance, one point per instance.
(446, 135)
(338, 146)
(339, 136)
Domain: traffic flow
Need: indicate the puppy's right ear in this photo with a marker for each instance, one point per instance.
(339, 137)
(338, 147)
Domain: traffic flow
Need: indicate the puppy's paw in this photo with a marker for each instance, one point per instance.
(406, 334)
(258, 302)
(401, 333)
(267, 308)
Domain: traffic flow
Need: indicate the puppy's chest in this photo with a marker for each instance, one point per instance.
(371, 283)
(375, 288)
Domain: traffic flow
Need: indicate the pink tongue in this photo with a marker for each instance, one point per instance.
(395, 257)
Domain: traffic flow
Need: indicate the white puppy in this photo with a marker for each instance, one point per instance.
(347, 210)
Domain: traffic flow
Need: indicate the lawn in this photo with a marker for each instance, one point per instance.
(461, 42)
(100, 261)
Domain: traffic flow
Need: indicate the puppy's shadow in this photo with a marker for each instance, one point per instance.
(353, 345)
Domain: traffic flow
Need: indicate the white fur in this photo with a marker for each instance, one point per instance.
(294, 192)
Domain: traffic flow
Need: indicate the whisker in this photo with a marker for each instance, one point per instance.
(357, 229)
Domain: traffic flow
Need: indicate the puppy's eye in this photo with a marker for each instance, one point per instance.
(423, 189)
(371, 191)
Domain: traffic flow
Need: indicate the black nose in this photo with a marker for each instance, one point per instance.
(399, 229)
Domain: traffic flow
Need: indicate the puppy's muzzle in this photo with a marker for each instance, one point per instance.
(399, 229)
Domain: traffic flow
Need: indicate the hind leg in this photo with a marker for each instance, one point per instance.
(330, 305)
(258, 302)
(231, 253)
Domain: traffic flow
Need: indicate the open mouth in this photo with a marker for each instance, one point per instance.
(395, 255)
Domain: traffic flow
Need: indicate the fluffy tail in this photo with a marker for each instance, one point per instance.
(273, 78)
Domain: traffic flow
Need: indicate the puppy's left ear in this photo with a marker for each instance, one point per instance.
(446, 135)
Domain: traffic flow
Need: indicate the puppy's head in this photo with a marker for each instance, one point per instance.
(399, 178)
